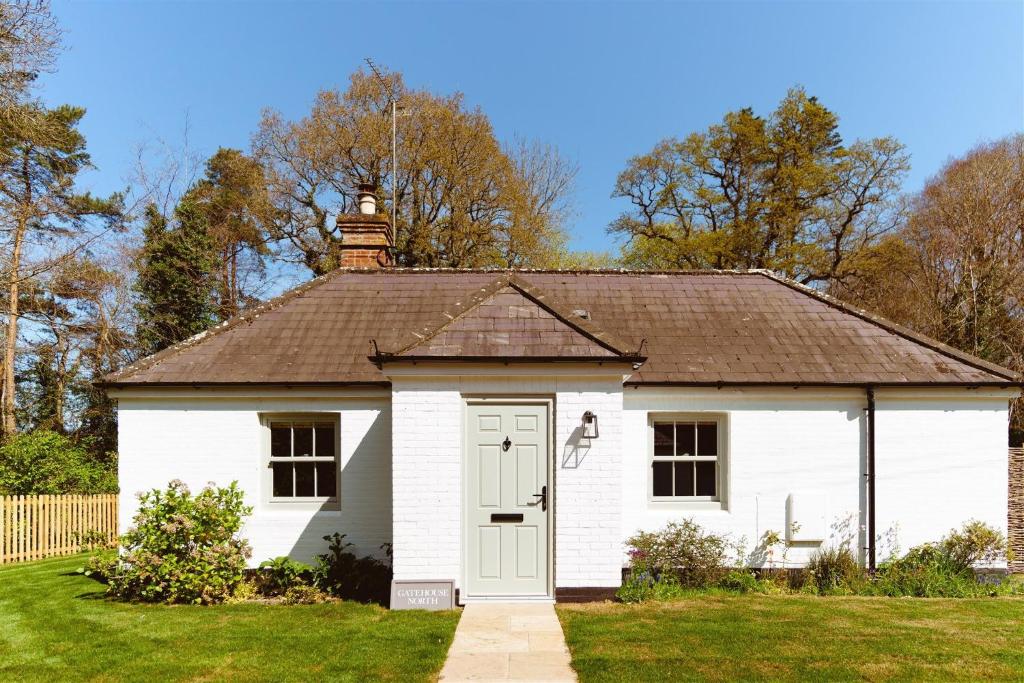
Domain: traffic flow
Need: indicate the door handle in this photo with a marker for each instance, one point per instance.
(543, 495)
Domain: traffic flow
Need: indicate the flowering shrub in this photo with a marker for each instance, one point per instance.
(181, 548)
(694, 557)
(682, 555)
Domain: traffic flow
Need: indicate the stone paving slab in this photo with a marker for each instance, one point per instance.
(508, 642)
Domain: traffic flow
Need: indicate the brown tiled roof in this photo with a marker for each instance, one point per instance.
(510, 319)
(693, 328)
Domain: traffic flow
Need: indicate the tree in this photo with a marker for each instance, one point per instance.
(29, 37)
(29, 41)
(44, 462)
(38, 168)
(45, 386)
(462, 200)
(955, 271)
(205, 262)
(782, 193)
(101, 290)
(83, 333)
(175, 278)
(236, 208)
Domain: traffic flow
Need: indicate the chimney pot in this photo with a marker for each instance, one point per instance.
(367, 198)
(365, 236)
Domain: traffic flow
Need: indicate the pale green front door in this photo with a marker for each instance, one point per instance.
(508, 500)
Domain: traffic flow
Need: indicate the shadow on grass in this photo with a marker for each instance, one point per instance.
(95, 595)
(99, 594)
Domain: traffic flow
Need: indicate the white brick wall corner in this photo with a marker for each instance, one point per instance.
(200, 440)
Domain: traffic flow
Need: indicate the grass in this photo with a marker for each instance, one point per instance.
(55, 625)
(757, 637)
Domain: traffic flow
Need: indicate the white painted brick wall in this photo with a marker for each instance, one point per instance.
(940, 462)
(428, 428)
(588, 485)
(427, 471)
(199, 440)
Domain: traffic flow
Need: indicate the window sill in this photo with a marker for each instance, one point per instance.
(288, 505)
(695, 505)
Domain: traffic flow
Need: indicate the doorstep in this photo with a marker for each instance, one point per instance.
(518, 600)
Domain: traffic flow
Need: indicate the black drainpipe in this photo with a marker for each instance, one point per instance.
(870, 475)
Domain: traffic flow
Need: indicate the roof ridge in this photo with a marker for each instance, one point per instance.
(419, 270)
(479, 297)
(585, 327)
(895, 328)
(152, 359)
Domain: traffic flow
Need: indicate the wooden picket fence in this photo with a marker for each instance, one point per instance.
(1015, 516)
(34, 527)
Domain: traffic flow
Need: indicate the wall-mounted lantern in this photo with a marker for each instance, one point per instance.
(590, 425)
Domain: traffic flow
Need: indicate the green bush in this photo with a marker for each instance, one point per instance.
(643, 587)
(282, 573)
(48, 463)
(834, 571)
(975, 543)
(765, 582)
(245, 591)
(926, 572)
(681, 550)
(304, 595)
(341, 574)
(181, 548)
(946, 569)
(741, 581)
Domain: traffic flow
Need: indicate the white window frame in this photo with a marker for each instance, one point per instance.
(301, 502)
(717, 502)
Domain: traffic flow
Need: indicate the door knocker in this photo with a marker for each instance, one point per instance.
(506, 444)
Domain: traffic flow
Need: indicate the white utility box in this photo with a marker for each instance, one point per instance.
(805, 518)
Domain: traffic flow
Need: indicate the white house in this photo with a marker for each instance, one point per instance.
(509, 430)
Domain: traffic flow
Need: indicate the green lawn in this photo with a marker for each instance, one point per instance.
(723, 638)
(55, 625)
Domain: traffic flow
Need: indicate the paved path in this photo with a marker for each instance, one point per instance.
(508, 642)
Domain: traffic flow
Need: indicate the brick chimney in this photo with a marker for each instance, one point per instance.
(365, 236)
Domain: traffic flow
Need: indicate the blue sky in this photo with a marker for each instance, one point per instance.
(603, 82)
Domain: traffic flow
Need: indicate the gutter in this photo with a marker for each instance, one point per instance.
(237, 385)
(869, 474)
(797, 384)
(381, 358)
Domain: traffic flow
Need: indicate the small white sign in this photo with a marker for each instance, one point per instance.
(428, 595)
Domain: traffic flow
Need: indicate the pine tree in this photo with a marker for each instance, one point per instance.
(39, 166)
(175, 282)
(233, 200)
(43, 391)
